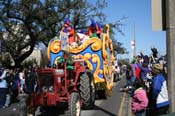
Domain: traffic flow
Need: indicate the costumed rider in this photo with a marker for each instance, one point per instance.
(83, 36)
(69, 30)
(95, 29)
(100, 29)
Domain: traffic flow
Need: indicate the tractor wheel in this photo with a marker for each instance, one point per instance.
(74, 105)
(87, 90)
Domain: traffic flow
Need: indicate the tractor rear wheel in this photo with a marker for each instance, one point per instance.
(75, 104)
(87, 90)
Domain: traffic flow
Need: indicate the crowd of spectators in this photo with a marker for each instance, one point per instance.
(147, 85)
(14, 82)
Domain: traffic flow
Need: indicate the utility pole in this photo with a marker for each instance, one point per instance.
(170, 41)
(134, 41)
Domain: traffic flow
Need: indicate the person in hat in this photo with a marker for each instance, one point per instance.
(67, 26)
(99, 29)
(69, 30)
(159, 99)
(93, 28)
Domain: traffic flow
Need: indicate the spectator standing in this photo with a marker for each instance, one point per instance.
(160, 100)
(9, 90)
(22, 80)
(116, 71)
(15, 85)
(30, 81)
(128, 75)
(3, 88)
(139, 99)
(137, 70)
(144, 71)
(130, 80)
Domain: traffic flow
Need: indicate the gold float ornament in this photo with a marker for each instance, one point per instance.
(107, 69)
(104, 52)
(107, 38)
(48, 52)
(112, 50)
(112, 69)
(55, 46)
(95, 58)
(105, 44)
(96, 45)
(86, 58)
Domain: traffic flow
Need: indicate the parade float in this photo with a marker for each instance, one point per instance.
(80, 67)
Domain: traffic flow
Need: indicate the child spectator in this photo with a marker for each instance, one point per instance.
(140, 99)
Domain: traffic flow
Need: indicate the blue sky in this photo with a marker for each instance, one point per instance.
(138, 11)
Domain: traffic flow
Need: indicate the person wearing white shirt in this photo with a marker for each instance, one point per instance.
(3, 88)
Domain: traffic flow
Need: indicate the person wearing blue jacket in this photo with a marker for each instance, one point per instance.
(159, 91)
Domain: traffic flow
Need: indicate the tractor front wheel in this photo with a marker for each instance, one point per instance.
(87, 90)
(75, 104)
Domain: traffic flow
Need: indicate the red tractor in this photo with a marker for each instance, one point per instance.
(70, 82)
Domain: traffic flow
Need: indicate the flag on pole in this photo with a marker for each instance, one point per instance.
(132, 44)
